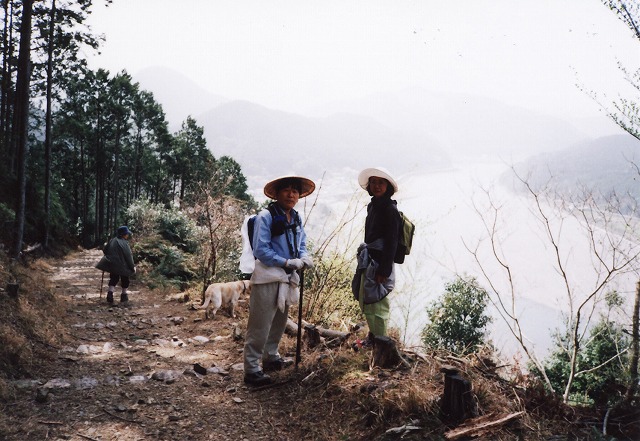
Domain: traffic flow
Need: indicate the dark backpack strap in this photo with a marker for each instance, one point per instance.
(279, 225)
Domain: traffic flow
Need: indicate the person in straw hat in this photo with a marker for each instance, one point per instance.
(375, 276)
(280, 248)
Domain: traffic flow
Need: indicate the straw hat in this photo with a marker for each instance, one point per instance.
(306, 186)
(378, 172)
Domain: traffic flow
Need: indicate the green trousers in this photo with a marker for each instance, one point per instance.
(377, 314)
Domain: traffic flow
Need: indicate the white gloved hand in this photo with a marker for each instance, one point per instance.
(308, 263)
(294, 264)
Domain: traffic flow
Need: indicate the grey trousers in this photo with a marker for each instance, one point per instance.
(265, 326)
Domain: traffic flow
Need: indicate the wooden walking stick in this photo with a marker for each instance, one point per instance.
(299, 337)
(101, 283)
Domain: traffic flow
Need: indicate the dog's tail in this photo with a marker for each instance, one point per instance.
(207, 300)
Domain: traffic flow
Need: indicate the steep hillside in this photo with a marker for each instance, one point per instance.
(74, 368)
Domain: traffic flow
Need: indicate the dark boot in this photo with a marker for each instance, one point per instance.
(257, 379)
(109, 297)
(124, 298)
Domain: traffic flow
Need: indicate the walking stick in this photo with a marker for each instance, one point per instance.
(101, 283)
(299, 338)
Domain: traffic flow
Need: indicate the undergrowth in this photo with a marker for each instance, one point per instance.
(31, 324)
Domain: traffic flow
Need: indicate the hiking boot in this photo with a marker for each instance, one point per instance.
(276, 365)
(124, 297)
(109, 297)
(257, 379)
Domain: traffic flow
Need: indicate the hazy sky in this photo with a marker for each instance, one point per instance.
(295, 55)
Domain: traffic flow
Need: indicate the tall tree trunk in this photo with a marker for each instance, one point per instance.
(100, 180)
(85, 194)
(116, 180)
(4, 90)
(47, 137)
(137, 182)
(21, 126)
(7, 95)
(633, 354)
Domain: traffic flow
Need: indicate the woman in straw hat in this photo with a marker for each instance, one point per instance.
(375, 277)
(280, 248)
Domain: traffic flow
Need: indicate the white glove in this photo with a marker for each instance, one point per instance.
(294, 264)
(308, 263)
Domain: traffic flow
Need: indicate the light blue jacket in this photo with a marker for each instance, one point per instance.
(276, 250)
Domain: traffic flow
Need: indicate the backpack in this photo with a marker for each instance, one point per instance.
(278, 224)
(405, 238)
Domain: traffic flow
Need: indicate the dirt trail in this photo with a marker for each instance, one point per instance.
(126, 373)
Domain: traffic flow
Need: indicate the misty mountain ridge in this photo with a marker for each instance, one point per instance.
(262, 139)
(180, 97)
(463, 124)
(407, 130)
(605, 166)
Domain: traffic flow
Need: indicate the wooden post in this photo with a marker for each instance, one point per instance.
(457, 400)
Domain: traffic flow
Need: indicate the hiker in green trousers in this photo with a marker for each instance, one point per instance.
(375, 277)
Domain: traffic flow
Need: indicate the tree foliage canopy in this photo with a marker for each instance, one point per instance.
(107, 144)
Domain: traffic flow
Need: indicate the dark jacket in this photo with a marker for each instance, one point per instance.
(383, 222)
(118, 258)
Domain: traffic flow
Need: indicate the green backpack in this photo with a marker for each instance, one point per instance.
(405, 238)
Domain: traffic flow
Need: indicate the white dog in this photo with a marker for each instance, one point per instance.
(224, 293)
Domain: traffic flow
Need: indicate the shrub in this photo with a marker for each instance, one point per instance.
(163, 258)
(328, 296)
(457, 321)
(601, 365)
(166, 239)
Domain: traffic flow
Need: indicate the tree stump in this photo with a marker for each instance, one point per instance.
(385, 353)
(12, 290)
(457, 400)
(312, 334)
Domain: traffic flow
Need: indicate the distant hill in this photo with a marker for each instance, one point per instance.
(407, 130)
(465, 125)
(608, 164)
(262, 140)
(179, 96)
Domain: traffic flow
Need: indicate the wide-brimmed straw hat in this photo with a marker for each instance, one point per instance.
(307, 186)
(378, 172)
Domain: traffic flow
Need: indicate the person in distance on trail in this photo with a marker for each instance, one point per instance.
(375, 276)
(280, 248)
(118, 262)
